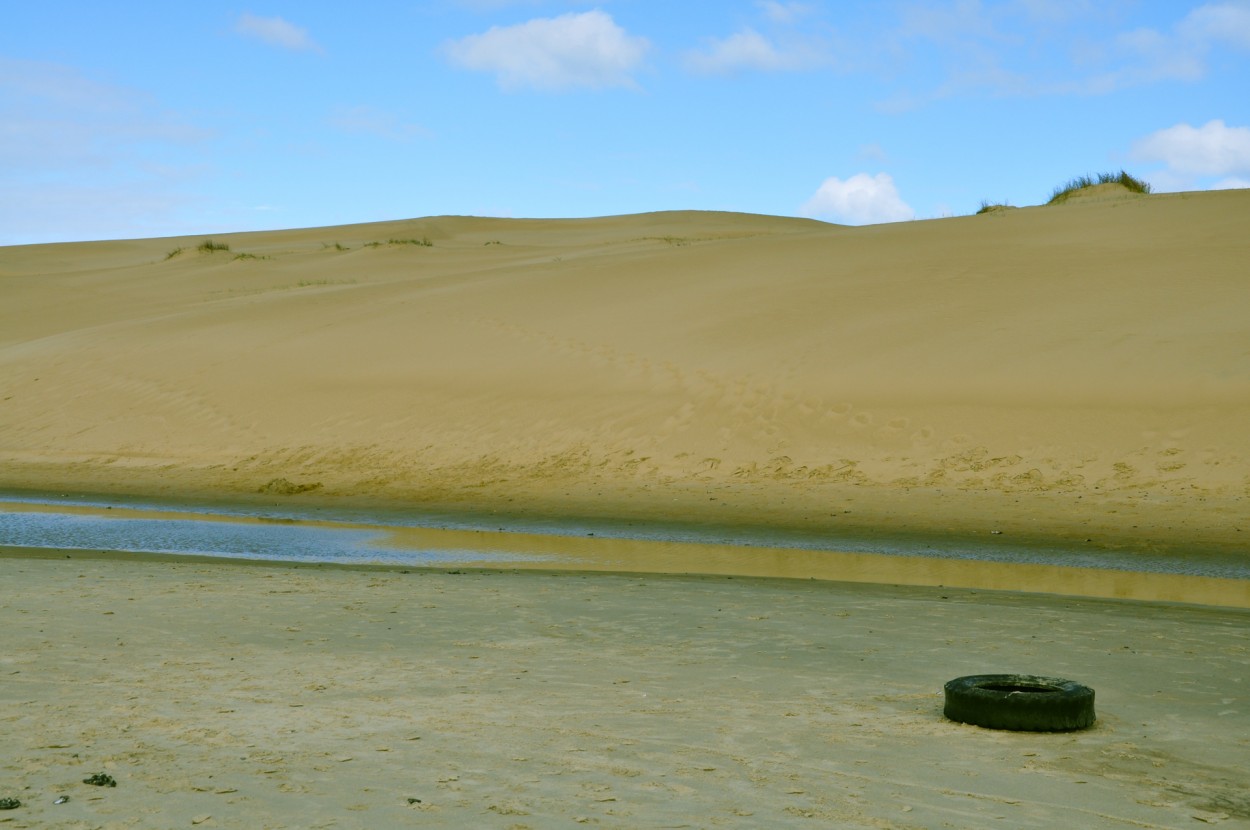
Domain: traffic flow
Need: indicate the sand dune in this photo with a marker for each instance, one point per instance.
(1078, 371)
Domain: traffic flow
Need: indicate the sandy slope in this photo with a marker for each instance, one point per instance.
(1078, 371)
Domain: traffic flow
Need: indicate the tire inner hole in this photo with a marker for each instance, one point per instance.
(1010, 687)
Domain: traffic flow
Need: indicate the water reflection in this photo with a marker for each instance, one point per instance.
(259, 539)
(1213, 581)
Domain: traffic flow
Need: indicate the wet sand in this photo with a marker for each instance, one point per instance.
(277, 695)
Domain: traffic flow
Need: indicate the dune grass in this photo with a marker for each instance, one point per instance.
(988, 206)
(423, 242)
(208, 246)
(1131, 183)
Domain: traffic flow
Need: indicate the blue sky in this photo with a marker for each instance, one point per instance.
(135, 119)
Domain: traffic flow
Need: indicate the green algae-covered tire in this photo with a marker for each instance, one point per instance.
(1020, 702)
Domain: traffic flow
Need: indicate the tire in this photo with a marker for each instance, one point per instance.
(1020, 702)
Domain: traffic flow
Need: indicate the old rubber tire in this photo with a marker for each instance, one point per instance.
(1020, 702)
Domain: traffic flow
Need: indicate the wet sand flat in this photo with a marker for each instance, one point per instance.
(245, 695)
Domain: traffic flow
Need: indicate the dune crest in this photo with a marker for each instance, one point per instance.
(1077, 373)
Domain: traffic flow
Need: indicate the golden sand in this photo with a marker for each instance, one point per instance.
(1070, 372)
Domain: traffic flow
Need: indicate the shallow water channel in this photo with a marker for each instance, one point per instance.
(98, 526)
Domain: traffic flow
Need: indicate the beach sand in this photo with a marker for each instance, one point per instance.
(279, 696)
(1073, 377)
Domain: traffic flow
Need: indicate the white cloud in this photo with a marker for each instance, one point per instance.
(860, 200)
(1233, 183)
(572, 50)
(276, 32)
(1214, 149)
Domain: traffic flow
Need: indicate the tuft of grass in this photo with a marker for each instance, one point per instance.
(248, 256)
(987, 206)
(675, 241)
(1131, 183)
(173, 254)
(314, 283)
(423, 242)
(208, 246)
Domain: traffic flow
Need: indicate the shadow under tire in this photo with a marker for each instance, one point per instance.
(1020, 702)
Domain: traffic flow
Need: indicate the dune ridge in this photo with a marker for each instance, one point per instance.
(1074, 372)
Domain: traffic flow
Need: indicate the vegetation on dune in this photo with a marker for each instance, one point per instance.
(423, 242)
(208, 246)
(173, 254)
(1130, 183)
(987, 206)
(1064, 192)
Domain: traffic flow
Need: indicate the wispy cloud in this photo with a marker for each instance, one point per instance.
(85, 158)
(276, 31)
(367, 120)
(986, 50)
(748, 49)
(587, 50)
(1218, 23)
(859, 200)
(784, 47)
(56, 115)
(57, 84)
(784, 13)
(1179, 53)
